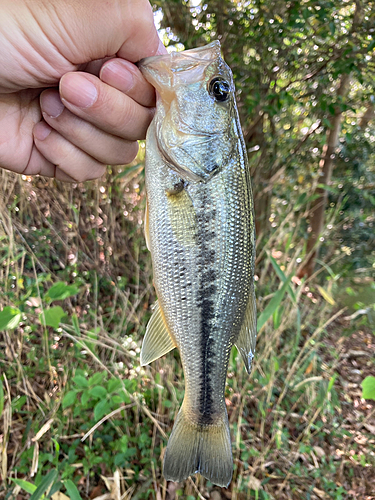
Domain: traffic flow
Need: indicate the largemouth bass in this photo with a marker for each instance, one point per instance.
(200, 230)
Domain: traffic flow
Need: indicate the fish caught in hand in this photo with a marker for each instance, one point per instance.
(200, 230)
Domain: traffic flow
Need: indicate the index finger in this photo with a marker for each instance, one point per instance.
(126, 77)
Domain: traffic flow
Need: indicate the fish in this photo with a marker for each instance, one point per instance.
(199, 228)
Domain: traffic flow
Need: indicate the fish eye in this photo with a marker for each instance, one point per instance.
(219, 89)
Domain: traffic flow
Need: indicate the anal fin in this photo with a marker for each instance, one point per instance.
(246, 340)
(157, 340)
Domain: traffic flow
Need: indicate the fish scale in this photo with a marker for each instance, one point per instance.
(200, 231)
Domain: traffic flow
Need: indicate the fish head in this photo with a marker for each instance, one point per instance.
(196, 115)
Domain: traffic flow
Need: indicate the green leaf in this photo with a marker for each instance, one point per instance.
(273, 305)
(52, 316)
(331, 382)
(116, 400)
(18, 402)
(276, 364)
(277, 317)
(282, 277)
(69, 399)
(125, 397)
(72, 490)
(98, 392)
(44, 485)
(120, 459)
(55, 488)
(25, 485)
(57, 446)
(101, 409)
(331, 189)
(1, 398)
(114, 384)
(76, 325)
(97, 378)
(331, 108)
(60, 291)
(81, 381)
(368, 388)
(85, 397)
(9, 317)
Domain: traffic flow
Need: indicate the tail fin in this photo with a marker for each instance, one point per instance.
(196, 448)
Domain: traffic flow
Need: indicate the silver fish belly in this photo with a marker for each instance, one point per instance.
(200, 231)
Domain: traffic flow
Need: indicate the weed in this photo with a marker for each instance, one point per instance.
(79, 415)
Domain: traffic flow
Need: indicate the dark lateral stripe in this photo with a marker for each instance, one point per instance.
(206, 306)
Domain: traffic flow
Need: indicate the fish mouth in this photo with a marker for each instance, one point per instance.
(209, 52)
(184, 67)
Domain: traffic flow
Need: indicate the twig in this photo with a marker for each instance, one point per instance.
(106, 417)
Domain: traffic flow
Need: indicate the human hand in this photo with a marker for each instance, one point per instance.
(105, 105)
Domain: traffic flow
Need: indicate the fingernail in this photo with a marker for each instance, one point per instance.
(117, 73)
(51, 104)
(78, 90)
(41, 131)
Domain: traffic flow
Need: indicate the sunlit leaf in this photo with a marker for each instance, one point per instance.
(331, 382)
(61, 291)
(326, 295)
(273, 305)
(9, 318)
(52, 316)
(25, 485)
(368, 388)
(283, 278)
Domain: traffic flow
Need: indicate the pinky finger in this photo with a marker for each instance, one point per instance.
(39, 165)
(70, 163)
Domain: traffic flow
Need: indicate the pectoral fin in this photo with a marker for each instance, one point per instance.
(157, 340)
(246, 340)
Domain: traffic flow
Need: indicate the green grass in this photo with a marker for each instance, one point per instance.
(79, 415)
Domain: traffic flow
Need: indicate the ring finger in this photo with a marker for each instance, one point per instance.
(71, 162)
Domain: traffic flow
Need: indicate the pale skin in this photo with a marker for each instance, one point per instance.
(72, 100)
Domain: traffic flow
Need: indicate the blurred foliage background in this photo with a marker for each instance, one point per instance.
(78, 414)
